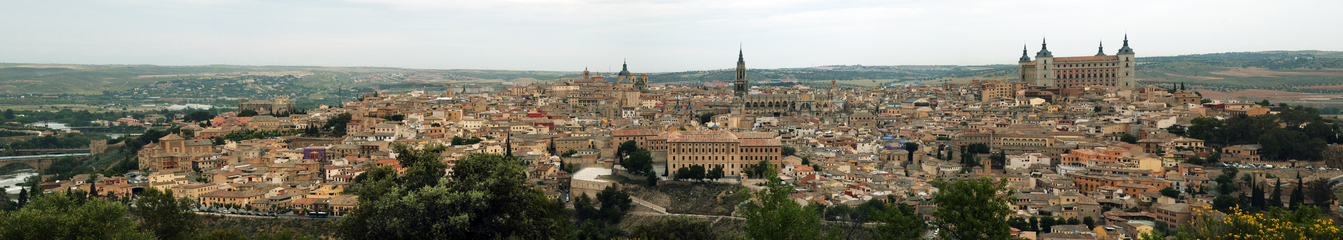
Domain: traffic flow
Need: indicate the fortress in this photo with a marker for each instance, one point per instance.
(1099, 70)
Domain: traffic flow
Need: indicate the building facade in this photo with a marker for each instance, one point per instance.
(1099, 70)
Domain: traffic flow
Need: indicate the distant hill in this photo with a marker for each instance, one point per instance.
(1319, 72)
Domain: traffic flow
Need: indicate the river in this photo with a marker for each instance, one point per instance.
(10, 180)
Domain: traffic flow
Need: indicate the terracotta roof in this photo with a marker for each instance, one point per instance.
(760, 142)
(1086, 59)
(702, 136)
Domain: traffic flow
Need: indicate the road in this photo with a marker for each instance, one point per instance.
(277, 216)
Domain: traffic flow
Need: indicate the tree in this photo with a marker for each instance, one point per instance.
(911, 147)
(974, 208)
(652, 177)
(614, 204)
(898, 222)
(58, 216)
(1275, 200)
(697, 172)
(681, 227)
(706, 118)
(1129, 138)
(1047, 224)
(1091, 223)
(625, 148)
(1224, 203)
(639, 162)
(337, 124)
(166, 216)
(199, 116)
(1257, 196)
(787, 151)
(716, 173)
(1034, 224)
(1297, 197)
(1170, 192)
(1321, 192)
(486, 197)
(247, 113)
(772, 215)
(1097, 109)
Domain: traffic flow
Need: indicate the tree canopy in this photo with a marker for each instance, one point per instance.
(974, 208)
(485, 198)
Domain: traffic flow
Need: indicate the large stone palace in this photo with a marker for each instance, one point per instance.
(1099, 70)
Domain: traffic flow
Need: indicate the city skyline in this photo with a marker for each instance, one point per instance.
(654, 36)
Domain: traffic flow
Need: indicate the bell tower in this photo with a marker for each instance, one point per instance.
(740, 85)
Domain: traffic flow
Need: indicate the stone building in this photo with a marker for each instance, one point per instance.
(773, 105)
(281, 105)
(1100, 70)
(732, 151)
(174, 153)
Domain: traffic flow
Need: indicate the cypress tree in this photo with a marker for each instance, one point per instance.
(1297, 197)
(1257, 196)
(1275, 200)
(23, 197)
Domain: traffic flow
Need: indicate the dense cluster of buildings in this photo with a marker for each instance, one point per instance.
(1059, 130)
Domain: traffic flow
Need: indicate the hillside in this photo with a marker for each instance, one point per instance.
(1313, 72)
(1281, 72)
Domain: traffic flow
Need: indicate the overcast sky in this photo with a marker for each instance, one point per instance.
(654, 35)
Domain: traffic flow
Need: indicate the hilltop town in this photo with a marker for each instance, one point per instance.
(1088, 153)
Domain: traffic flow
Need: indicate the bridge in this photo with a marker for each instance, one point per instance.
(38, 162)
(52, 150)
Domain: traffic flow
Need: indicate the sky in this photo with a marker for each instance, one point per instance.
(652, 35)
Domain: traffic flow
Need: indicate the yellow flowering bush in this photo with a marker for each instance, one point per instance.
(1303, 223)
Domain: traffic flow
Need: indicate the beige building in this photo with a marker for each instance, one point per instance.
(1100, 70)
(721, 148)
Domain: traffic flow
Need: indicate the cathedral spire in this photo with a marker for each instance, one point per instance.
(1100, 49)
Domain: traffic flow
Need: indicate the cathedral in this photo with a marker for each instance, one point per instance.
(775, 105)
(1099, 70)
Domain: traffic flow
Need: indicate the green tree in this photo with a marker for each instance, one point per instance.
(974, 208)
(1091, 223)
(247, 113)
(898, 222)
(1170, 192)
(911, 147)
(1321, 192)
(626, 147)
(640, 161)
(166, 216)
(57, 216)
(681, 227)
(486, 197)
(1047, 224)
(772, 215)
(337, 124)
(1129, 138)
(1298, 197)
(788, 151)
(1224, 203)
(199, 116)
(1275, 200)
(614, 204)
(715, 174)
(706, 118)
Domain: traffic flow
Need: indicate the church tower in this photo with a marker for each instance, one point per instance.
(739, 86)
(1043, 66)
